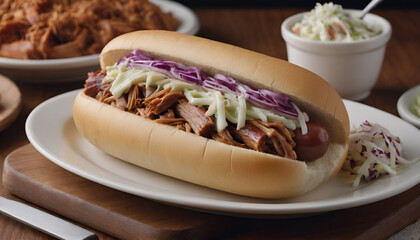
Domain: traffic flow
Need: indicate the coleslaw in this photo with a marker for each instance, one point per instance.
(415, 105)
(329, 22)
(373, 152)
(222, 105)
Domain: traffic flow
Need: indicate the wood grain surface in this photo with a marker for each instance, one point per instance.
(257, 29)
(30, 176)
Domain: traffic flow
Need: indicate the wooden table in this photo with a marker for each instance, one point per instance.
(258, 30)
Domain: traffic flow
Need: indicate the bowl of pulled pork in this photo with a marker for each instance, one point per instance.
(54, 41)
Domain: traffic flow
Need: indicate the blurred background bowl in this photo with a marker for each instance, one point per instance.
(352, 68)
(76, 68)
(404, 106)
(49, 70)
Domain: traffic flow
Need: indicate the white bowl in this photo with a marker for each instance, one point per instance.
(404, 103)
(49, 70)
(352, 68)
(76, 69)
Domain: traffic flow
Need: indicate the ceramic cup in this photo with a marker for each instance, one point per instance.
(352, 68)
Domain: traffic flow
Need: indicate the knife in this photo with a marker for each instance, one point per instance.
(43, 221)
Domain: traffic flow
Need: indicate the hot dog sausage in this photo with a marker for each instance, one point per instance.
(312, 145)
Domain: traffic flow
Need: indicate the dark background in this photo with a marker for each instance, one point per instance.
(356, 4)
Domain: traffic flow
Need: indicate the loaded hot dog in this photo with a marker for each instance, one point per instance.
(261, 121)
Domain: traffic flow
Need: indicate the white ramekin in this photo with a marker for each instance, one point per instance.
(352, 68)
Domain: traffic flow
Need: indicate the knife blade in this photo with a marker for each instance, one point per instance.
(43, 221)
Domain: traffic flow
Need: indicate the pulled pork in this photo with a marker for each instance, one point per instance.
(46, 29)
(201, 124)
(172, 108)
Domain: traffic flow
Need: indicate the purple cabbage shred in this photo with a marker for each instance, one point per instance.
(262, 97)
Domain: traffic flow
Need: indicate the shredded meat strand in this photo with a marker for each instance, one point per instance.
(162, 103)
(201, 124)
(168, 114)
(157, 94)
(121, 103)
(288, 134)
(133, 96)
(279, 137)
(171, 121)
(225, 137)
(188, 128)
(141, 112)
(252, 136)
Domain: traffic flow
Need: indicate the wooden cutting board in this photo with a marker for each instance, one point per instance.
(32, 177)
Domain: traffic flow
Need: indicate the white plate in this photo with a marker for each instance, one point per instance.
(403, 105)
(75, 69)
(51, 130)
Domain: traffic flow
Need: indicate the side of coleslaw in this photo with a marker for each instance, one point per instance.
(329, 22)
(373, 152)
(415, 105)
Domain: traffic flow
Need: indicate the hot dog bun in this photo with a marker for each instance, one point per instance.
(203, 161)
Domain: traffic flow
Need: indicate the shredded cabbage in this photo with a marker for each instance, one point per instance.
(261, 97)
(222, 105)
(329, 22)
(415, 105)
(373, 152)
